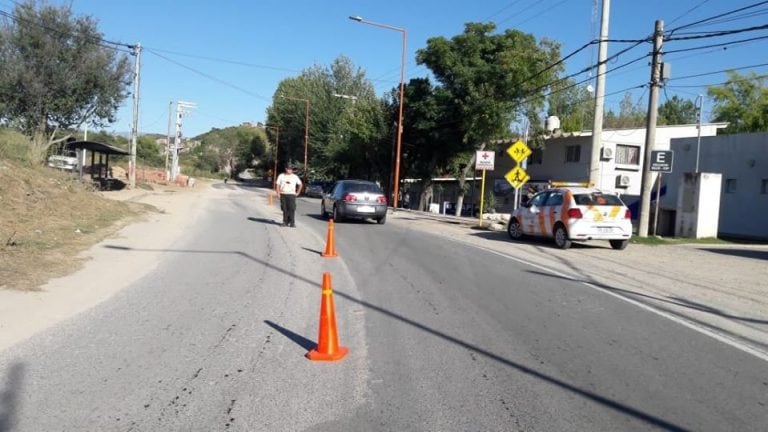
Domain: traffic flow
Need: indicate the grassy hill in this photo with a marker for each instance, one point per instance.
(46, 218)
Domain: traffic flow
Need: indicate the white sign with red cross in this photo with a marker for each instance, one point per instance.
(484, 160)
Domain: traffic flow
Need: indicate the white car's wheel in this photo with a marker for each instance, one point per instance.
(514, 229)
(561, 237)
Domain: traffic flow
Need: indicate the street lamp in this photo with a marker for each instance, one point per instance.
(277, 147)
(404, 32)
(306, 132)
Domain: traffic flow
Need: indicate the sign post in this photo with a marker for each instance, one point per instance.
(484, 161)
(517, 176)
(661, 162)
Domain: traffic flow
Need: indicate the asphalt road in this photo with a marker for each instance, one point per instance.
(443, 336)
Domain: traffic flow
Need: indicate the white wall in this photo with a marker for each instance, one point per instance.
(743, 158)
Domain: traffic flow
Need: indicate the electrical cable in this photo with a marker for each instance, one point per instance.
(724, 44)
(689, 11)
(718, 72)
(717, 34)
(706, 20)
(104, 43)
(211, 77)
(744, 78)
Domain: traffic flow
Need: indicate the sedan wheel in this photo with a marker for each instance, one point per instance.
(561, 237)
(619, 244)
(336, 214)
(514, 229)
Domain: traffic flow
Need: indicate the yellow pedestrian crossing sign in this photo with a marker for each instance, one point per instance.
(517, 177)
(519, 151)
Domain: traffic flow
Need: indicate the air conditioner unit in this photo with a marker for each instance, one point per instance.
(623, 181)
(608, 152)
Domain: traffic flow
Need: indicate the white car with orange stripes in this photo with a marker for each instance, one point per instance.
(573, 214)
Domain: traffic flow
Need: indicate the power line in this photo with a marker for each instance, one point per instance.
(210, 77)
(718, 72)
(718, 33)
(752, 14)
(104, 43)
(498, 12)
(689, 11)
(724, 14)
(747, 78)
(724, 44)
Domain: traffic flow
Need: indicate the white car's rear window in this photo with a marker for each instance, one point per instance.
(597, 199)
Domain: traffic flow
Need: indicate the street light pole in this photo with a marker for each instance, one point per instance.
(306, 133)
(404, 32)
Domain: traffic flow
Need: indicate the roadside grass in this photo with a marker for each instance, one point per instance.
(660, 241)
(46, 219)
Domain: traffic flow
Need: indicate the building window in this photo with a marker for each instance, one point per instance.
(764, 187)
(730, 186)
(537, 157)
(627, 155)
(573, 153)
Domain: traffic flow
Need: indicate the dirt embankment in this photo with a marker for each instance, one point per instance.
(46, 219)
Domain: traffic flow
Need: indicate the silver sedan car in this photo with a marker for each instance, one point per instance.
(355, 199)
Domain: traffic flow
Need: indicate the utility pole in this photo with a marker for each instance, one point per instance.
(168, 139)
(597, 125)
(135, 126)
(180, 110)
(646, 184)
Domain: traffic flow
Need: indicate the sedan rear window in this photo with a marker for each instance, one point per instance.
(596, 198)
(362, 187)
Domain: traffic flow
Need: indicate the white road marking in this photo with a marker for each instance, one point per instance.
(728, 340)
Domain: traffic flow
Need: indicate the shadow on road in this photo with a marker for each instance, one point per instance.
(524, 369)
(297, 338)
(264, 221)
(502, 236)
(743, 253)
(312, 250)
(649, 300)
(9, 397)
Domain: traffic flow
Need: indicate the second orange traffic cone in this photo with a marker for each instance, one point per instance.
(328, 348)
(330, 242)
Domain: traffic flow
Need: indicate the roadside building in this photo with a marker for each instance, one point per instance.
(566, 157)
(742, 162)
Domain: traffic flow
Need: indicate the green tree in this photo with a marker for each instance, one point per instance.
(55, 75)
(345, 134)
(487, 75)
(149, 152)
(677, 111)
(631, 114)
(573, 105)
(742, 102)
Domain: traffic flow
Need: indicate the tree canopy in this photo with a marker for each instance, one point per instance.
(742, 102)
(677, 111)
(488, 79)
(55, 74)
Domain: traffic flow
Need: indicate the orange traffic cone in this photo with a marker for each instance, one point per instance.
(330, 242)
(269, 199)
(328, 348)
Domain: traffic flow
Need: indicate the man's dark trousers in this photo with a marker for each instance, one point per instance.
(288, 204)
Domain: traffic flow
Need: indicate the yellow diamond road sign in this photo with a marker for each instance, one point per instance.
(517, 177)
(519, 151)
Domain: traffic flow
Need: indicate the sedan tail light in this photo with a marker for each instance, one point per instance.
(350, 198)
(628, 214)
(382, 200)
(574, 213)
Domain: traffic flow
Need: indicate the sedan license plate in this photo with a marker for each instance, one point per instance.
(366, 209)
(604, 230)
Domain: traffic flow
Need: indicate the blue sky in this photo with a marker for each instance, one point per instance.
(269, 40)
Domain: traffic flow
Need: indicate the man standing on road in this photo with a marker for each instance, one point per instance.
(288, 187)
